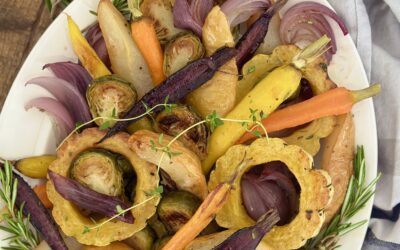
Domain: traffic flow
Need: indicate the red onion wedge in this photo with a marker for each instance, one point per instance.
(191, 16)
(248, 238)
(306, 22)
(67, 94)
(272, 188)
(95, 38)
(39, 216)
(72, 73)
(54, 108)
(89, 199)
(239, 11)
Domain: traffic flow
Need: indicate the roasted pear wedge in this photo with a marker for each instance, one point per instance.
(184, 167)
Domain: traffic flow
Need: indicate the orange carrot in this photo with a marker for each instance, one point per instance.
(40, 191)
(145, 37)
(337, 101)
(203, 216)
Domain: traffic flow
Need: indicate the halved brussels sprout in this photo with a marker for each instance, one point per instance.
(142, 240)
(110, 96)
(70, 219)
(176, 208)
(177, 120)
(161, 12)
(182, 50)
(98, 169)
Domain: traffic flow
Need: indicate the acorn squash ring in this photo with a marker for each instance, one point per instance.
(68, 216)
(316, 190)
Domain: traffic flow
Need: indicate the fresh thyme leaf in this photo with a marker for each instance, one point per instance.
(160, 138)
(251, 69)
(18, 226)
(214, 121)
(93, 12)
(104, 125)
(86, 230)
(119, 209)
(357, 195)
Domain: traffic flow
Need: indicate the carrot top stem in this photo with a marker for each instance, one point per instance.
(359, 95)
(311, 52)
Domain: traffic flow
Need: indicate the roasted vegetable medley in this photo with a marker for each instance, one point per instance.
(194, 124)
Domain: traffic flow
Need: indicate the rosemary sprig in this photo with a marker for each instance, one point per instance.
(213, 121)
(22, 237)
(357, 195)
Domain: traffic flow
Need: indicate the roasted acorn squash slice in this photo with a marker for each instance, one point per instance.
(315, 195)
(68, 216)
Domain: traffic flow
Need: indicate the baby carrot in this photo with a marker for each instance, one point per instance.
(203, 216)
(40, 191)
(145, 37)
(337, 101)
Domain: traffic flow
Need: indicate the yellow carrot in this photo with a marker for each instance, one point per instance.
(86, 54)
(145, 37)
(333, 102)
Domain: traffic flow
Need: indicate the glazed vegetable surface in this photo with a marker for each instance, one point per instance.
(226, 104)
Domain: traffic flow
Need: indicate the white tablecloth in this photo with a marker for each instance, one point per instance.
(375, 28)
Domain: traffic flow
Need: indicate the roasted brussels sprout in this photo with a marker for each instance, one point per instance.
(71, 220)
(142, 240)
(160, 11)
(157, 226)
(110, 96)
(98, 169)
(180, 118)
(176, 208)
(181, 51)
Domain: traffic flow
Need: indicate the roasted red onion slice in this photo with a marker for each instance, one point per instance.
(72, 73)
(184, 19)
(67, 94)
(199, 9)
(239, 11)
(306, 21)
(54, 108)
(248, 238)
(89, 199)
(95, 38)
(270, 187)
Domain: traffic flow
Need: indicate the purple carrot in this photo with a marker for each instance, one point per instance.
(255, 35)
(248, 238)
(177, 85)
(40, 217)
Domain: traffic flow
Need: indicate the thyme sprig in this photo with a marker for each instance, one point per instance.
(213, 120)
(22, 237)
(357, 196)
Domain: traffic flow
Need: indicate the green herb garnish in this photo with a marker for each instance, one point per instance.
(22, 236)
(357, 196)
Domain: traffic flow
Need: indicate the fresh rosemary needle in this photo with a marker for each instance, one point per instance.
(357, 195)
(22, 237)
